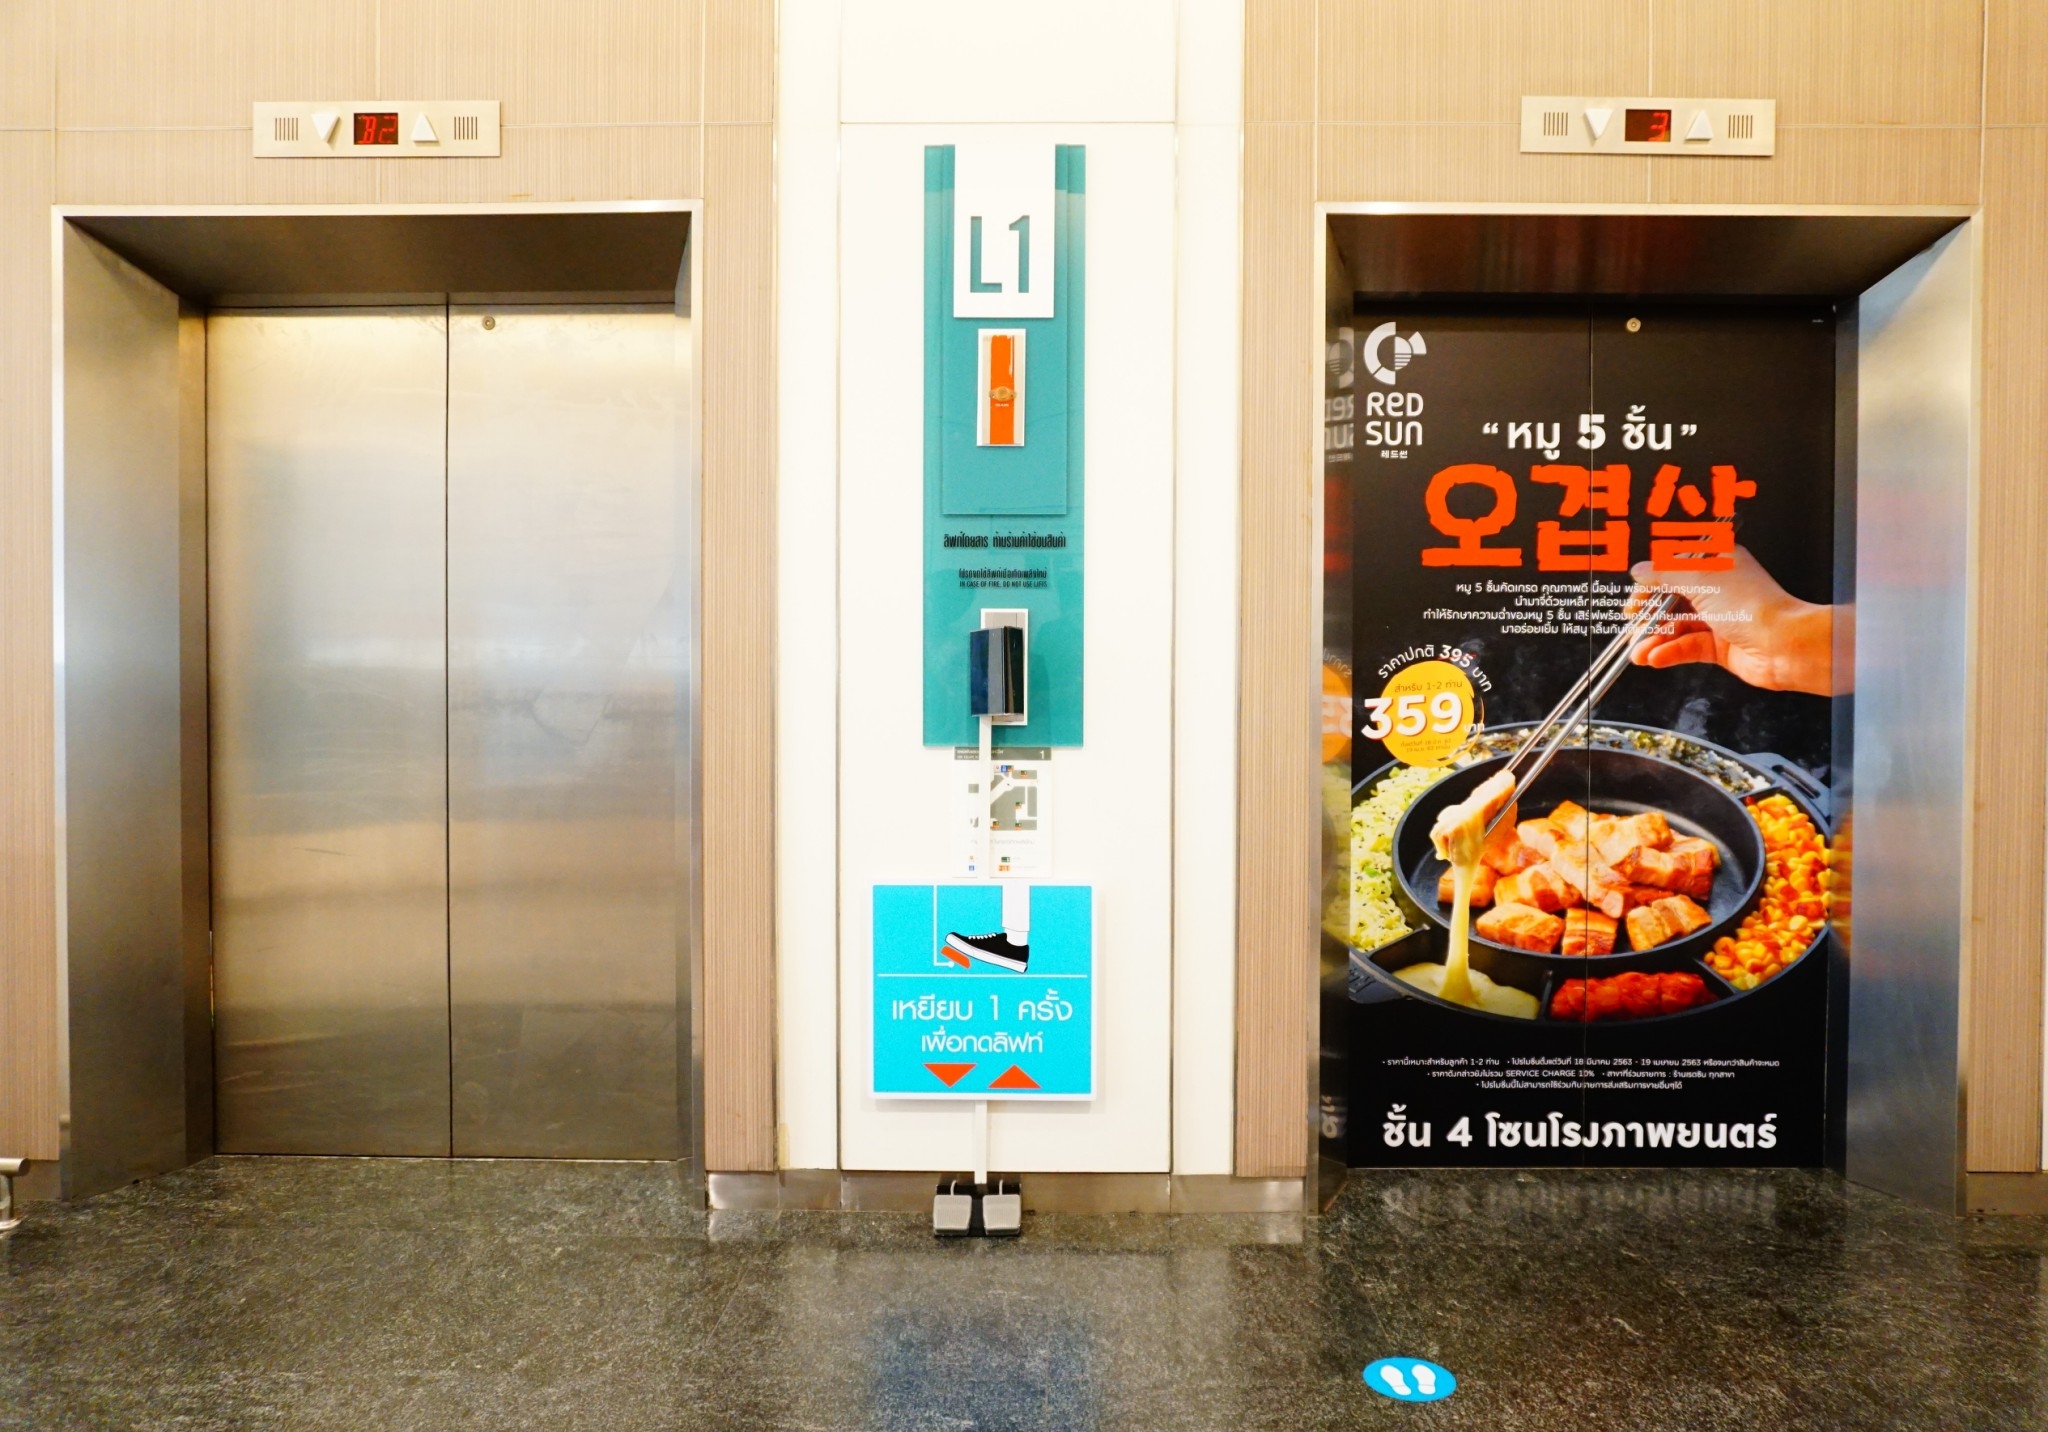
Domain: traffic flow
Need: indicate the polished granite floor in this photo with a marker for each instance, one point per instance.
(370, 1294)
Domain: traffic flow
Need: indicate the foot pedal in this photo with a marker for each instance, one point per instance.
(953, 1209)
(964, 1209)
(1002, 1209)
(10, 1169)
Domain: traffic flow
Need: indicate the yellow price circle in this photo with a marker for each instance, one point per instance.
(1427, 711)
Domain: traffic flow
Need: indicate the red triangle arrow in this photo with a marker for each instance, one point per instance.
(1014, 1078)
(950, 1074)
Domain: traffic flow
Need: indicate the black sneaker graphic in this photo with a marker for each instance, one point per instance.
(994, 949)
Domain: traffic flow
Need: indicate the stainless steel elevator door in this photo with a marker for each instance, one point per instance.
(326, 578)
(569, 599)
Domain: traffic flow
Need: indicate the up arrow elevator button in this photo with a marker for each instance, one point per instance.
(423, 132)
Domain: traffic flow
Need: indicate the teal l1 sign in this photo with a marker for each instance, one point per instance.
(965, 1011)
(1003, 482)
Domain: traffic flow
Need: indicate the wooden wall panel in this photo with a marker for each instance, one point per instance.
(28, 970)
(2015, 53)
(1828, 61)
(28, 95)
(738, 719)
(2009, 758)
(1279, 60)
(624, 161)
(1278, 858)
(548, 62)
(1861, 165)
(157, 63)
(198, 166)
(739, 76)
(1477, 57)
(1467, 161)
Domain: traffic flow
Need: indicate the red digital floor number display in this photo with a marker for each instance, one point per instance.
(1646, 126)
(378, 128)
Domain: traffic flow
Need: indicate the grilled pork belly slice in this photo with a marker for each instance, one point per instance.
(1574, 820)
(1687, 867)
(1666, 919)
(1587, 932)
(1645, 895)
(1617, 838)
(1540, 835)
(1523, 926)
(1483, 878)
(1538, 886)
(1590, 876)
(1700, 858)
(1648, 928)
(1506, 852)
(1684, 913)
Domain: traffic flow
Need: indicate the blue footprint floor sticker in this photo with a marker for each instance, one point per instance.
(1408, 1379)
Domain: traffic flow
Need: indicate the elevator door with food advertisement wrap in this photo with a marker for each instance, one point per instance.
(1646, 977)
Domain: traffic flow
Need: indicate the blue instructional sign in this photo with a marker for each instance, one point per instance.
(965, 1009)
(1410, 1379)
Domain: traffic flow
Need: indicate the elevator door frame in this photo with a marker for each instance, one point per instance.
(120, 1120)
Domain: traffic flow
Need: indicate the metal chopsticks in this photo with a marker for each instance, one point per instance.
(1577, 706)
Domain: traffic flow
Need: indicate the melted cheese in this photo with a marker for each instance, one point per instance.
(1459, 836)
(1483, 992)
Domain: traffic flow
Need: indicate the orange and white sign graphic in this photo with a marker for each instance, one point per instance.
(999, 389)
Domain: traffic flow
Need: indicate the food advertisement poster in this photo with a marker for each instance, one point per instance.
(1638, 503)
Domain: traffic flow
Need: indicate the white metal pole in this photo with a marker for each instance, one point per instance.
(981, 1142)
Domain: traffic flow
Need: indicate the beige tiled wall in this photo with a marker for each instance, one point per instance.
(2009, 769)
(622, 62)
(2015, 49)
(1275, 719)
(1879, 102)
(1855, 62)
(1457, 62)
(739, 625)
(157, 64)
(28, 971)
(148, 102)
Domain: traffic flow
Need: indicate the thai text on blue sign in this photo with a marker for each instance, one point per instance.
(967, 1010)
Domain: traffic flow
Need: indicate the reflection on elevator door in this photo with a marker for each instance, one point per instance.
(449, 604)
(565, 664)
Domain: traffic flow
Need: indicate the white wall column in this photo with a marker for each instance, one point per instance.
(1145, 809)
(807, 565)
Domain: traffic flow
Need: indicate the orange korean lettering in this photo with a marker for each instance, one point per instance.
(1665, 486)
(1471, 532)
(1727, 488)
(1692, 546)
(1604, 490)
(1574, 549)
